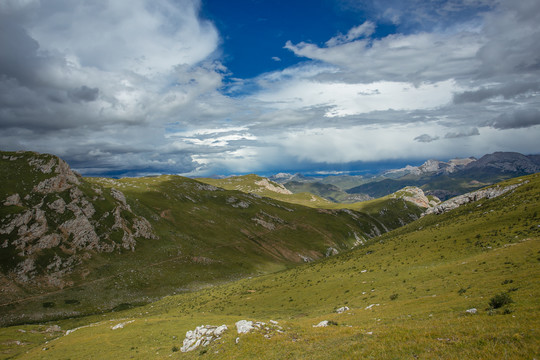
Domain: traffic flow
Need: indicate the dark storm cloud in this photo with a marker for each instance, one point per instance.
(84, 93)
(516, 120)
(508, 91)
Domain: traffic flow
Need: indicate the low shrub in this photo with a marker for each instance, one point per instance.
(500, 300)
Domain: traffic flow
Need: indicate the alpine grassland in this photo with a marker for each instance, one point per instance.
(202, 236)
(460, 285)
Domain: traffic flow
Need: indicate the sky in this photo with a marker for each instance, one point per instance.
(212, 87)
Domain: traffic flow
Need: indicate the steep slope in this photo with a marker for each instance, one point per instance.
(73, 246)
(462, 284)
(52, 221)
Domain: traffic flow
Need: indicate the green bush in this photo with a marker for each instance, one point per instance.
(500, 300)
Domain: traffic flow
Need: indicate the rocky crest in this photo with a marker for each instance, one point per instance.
(435, 167)
(457, 201)
(416, 196)
(52, 220)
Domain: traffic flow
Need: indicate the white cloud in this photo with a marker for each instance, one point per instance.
(415, 58)
(344, 99)
(364, 30)
(146, 37)
(148, 96)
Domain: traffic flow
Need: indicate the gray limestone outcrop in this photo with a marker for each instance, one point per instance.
(53, 209)
(458, 201)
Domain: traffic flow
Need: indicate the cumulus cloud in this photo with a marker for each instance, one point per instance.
(462, 133)
(96, 80)
(426, 138)
(413, 58)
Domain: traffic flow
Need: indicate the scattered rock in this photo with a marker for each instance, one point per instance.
(53, 328)
(331, 251)
(342, 309)
(121, 325)
(370, 306)
(244, 326)
(471, 311)
(323, 323)
(305, 258)
(202, 336)
(268, 330)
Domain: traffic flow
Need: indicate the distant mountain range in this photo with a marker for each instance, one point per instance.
(443, 179)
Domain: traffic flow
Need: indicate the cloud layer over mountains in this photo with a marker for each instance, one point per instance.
(139, 87)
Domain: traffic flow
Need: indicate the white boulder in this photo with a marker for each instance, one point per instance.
(323, 323)
(202, 336)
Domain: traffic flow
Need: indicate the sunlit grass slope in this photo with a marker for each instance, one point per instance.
(408, 292)
(205, 235)
(391, 212)
(261, 186)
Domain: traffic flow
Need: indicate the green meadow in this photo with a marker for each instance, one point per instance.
(408, 292)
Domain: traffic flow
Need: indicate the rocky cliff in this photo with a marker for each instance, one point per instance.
(52, 220)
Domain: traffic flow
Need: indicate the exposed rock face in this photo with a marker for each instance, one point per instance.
(275, 187)
(14, 199)
(56, 213)
(416, 196)
(65, 178)
(202, 336)
(471, 197)
(435, 167)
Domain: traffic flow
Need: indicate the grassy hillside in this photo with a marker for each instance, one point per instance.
(389, 212)
(201, 235)
(327, 191)
(261, 186)
(408, 292)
